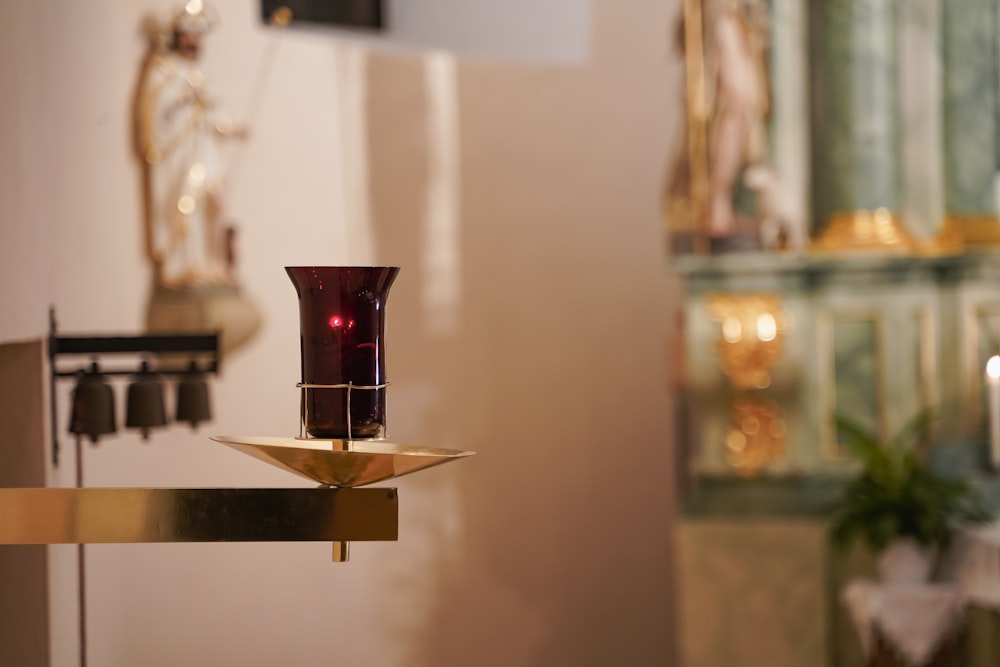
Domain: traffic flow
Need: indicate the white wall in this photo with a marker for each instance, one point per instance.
(552, 545)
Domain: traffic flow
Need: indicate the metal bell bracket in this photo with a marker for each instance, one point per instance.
(201, 352)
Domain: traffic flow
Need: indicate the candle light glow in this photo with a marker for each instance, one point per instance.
(993, 367)
(993, 408)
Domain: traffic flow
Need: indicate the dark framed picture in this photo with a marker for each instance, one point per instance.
(364, 14)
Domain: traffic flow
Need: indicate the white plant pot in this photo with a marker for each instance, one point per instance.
(905, 561)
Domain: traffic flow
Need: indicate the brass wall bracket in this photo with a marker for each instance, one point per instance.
(127, 515)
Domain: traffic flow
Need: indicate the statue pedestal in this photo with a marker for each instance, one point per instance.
(220, 308)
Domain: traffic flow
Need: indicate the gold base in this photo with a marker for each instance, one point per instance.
(971, 230)
(879, 230)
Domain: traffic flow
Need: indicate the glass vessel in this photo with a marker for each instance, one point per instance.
(341, 327)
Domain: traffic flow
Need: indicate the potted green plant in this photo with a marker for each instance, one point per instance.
(902, 510)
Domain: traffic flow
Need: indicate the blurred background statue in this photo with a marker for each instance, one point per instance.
(722, 193)
(180, 128)
(179, 134)
(738, 137)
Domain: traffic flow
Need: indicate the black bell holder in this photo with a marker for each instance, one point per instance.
(149, 361)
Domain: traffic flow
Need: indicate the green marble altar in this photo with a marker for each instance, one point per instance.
(882, 117)
(875, 336)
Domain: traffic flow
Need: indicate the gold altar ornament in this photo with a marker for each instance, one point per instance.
(972, 230)
(758, 436)
(751, 336)
(880, 229)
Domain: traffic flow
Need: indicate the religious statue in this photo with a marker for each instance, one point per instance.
(721, 189)
(738, 128)
(180, 129)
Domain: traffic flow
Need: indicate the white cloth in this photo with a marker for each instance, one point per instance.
(975, 566)
(914, 618)
(179, 133)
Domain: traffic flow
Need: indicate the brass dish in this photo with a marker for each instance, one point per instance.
(341, 463)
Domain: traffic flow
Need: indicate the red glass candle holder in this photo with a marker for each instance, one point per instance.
(342, 338)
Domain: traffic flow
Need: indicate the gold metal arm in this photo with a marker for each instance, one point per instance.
(121, 515)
